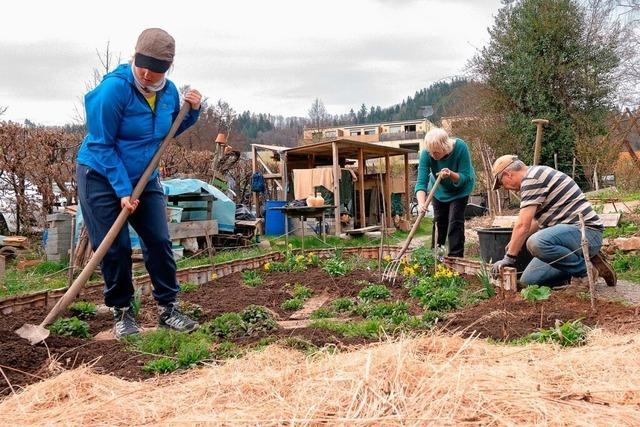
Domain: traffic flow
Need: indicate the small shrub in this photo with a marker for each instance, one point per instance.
(370, 328)
(83, 309)
(160, 366)
(188, 287)
(336, 267)
(342, 304)
(301, 292)
(70, 327)
(252, 278)
(322, 313)
(227, 325)
(374, 292)
(292, 304)
(49, 267)
(430, 318)
(396, 312)
(442, 299)
(161, 342)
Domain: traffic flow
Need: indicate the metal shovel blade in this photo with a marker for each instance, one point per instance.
(33, 333)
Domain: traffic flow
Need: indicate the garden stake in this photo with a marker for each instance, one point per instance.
(391, 270)
(38, 333)
(587, 261)
(384, 226)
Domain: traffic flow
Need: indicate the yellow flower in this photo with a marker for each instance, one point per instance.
(290, 246)
(214, 276)
(267, 266)
(409, 271)
(387, 258)
(299, 258)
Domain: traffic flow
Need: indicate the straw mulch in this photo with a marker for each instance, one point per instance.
(436, 379)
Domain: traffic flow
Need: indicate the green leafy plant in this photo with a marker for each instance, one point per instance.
(336, 267)
(342, 304)
(370, 328)
(534, 293)
(258, 319)
(83, 309)
(70, 327)
(251, 278)
(192, 352)
(430, 318)
(160, 366)
(485, 281)
(49, 267)
(226, 350)
(301, 292)
(374, 292)
(292, 304)
(567, 334)
(227, 325)
(188, 287)
(623, 229)
(396, 312)
(300, 344)
(322, 313)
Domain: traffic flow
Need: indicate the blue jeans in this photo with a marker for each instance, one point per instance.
(550, 244)
(100, 208)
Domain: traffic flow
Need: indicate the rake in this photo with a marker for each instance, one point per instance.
(391, 270)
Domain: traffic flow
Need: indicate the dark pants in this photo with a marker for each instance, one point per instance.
(449, 218)
(100, 208)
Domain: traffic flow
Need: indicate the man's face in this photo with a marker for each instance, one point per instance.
(510, 180)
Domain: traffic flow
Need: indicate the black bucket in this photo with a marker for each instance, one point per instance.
(492, 244)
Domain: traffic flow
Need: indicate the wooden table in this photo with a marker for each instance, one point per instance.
(304, 212)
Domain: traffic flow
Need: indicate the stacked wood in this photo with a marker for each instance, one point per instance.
(16, 242)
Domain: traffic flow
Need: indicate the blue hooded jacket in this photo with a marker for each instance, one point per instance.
(123, 132)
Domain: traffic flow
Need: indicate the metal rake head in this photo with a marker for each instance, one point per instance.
(390, 272)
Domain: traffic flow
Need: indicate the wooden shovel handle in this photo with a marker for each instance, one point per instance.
(97, 256)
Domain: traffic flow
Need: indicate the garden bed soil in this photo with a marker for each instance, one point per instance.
(513, 317)
(23, 364)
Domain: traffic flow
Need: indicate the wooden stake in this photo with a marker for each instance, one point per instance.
(72, 252)
(573, 169)
(587, 261)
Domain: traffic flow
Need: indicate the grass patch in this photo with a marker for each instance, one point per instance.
(342, 304)
(301, 344)
(292, 304)
(226, 326)
(226, 350)
(322, 313)
(70, 327)
(371, 328)
(252, 278)
(49, 267)
(161, 366)
(627, 265)
(623, 229)
(567, 334)
(374, 292)
(184, 349)
(188, 287)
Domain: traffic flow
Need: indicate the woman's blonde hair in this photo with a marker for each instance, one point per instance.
(437, 139)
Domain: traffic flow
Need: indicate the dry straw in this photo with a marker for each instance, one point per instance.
(437, 379)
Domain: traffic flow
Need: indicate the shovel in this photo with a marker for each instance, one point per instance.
(38, 333)
(391, 270)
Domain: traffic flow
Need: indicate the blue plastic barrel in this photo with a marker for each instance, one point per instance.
(274, 218)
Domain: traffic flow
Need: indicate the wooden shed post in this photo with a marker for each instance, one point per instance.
(336, 187)
(387, 188)
(361, 161)
(254, 168)
(407, 193)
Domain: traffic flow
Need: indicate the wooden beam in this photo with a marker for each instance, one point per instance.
(336, 186)
(361, 161)
(270, 174)
(407, 198)
(188, 229)
(254, 168)
(387, 189)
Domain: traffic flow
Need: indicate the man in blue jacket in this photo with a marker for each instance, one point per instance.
(128, 115)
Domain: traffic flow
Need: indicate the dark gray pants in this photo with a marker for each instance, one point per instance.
(449, 218)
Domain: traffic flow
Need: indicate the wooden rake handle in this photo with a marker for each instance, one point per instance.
(421, 214)
(97, 256)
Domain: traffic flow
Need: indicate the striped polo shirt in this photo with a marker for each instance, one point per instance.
(558, 197)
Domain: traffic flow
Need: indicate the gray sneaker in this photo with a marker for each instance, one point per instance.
(124, 322)
(171, 317)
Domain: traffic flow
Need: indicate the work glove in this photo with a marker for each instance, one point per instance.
(507, 261)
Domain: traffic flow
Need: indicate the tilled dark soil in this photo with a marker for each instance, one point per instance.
(513, 317)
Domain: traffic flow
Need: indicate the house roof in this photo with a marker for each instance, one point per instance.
(346, 148)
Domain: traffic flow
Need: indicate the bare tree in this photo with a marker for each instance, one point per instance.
(3, 110)
(107, 62)
(318, 115)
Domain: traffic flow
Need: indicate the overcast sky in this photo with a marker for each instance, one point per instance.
(264, 56)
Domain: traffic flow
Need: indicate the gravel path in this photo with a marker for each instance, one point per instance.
(624, 290)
